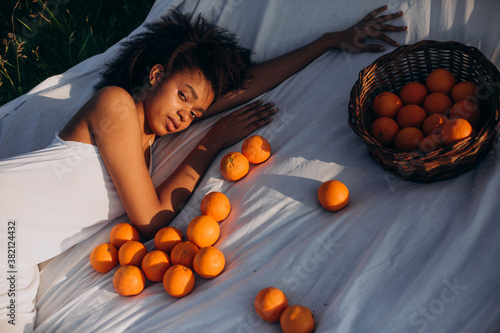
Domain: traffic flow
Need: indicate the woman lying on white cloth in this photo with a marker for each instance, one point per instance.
(97, 168)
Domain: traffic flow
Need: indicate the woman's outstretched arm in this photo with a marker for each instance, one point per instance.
(269, 74)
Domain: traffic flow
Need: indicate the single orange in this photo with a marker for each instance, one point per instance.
(131, 253)
(455, 130)
(104, 257)
(203, 231)
(467, 110)
(430, 143)
(155, 264)
(270, 303)
(433, 123)
(297, 319)
(408, 139)
(333, 195)
(411, 116)
(122, 233)
(384, 130)
(256, 149)
(234, 166)
(129, 280)
(209, 262)
(166, 238)
(437, 102)
(178, 281)
(183, 254)
(464, 90)
(216, 205)
(413, 93)
(386, 104)
(440, 80)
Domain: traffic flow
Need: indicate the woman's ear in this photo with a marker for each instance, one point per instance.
(156, 75)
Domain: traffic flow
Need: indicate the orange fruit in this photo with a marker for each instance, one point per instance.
(433, 123)
(178, 281)
(440, 80)
(129, 280)
(467, 110)
(203, 231)
(413, 93)
(256, 149)
(411, 116)
(122, 233)
(209, 262)
(166, 238)
(155, 264)
(430, 143)
(464, 90)
(437, 102)
(297, 319)
(131, 253)
(104, 257)
(455, 130)
(234, 166)
(333, 195)
(384, 130)
(408, 139)
(270, 303)
(183, 254)
(216, 205)
(386, 104)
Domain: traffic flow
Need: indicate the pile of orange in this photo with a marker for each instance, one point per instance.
(426, 116)
(173, 260)
(271, 305)
(235, 165)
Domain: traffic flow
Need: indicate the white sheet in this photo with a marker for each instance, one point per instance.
(401, 257)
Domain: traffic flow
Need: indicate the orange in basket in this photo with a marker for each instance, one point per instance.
(155, 264)
(464, 90)
(122, 233)
(270, 303)
(430, 143)
(333, 195)
(411, 116)
(209, 262)
(386, 104)
(183, 254)
(413, 93)
(166, 238)
(433, 124)
(467, 110)
(437, 102)
(178, 281)
(256, 149)
(408, 139)
(104, 257)
(131, 253)
(129, 280)
(234, 166)
(440, 80)
(297, 318)
(384, 130)
(216, 205)
(455, 130)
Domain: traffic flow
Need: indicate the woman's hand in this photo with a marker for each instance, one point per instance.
(239, 124)
(354, 38)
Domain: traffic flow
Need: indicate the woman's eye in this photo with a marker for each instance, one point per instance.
(182, 96)
(193, 114)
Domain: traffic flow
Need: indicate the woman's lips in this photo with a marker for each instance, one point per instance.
(172, 125)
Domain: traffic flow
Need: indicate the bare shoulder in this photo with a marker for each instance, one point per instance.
(112, 99)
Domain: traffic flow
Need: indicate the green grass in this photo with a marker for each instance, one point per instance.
(41, 38)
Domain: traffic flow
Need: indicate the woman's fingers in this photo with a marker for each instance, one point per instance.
(374, 13)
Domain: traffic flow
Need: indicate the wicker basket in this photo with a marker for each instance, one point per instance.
(414, 62)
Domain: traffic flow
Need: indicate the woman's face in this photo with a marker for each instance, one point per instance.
(174, 103)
